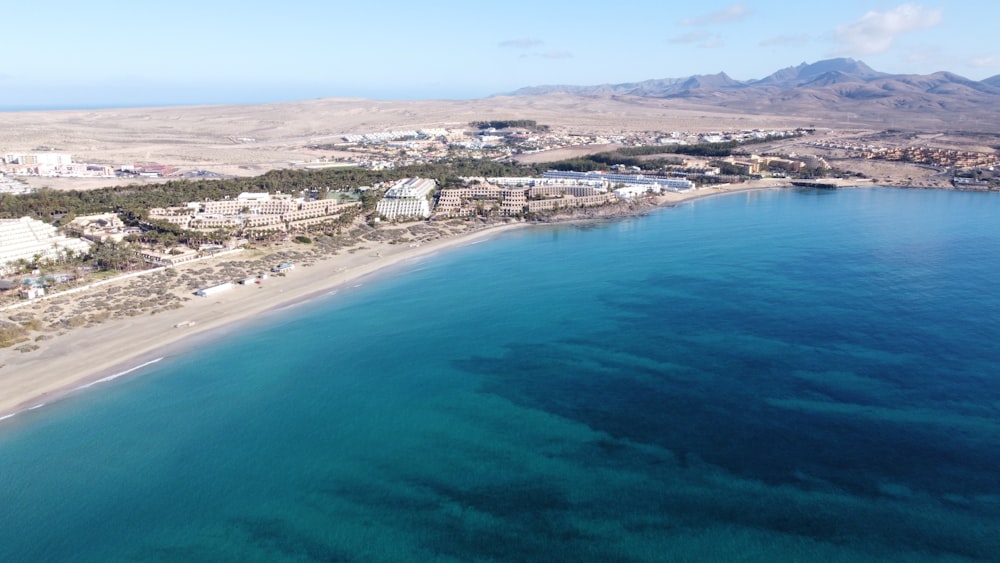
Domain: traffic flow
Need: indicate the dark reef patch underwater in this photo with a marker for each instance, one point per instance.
(772, 376)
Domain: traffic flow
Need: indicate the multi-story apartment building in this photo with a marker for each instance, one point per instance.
(517, 197)
(570, 201)
(253, 211)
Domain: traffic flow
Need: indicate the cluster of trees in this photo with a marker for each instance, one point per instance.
(700, 149)
(507, 123)
(629, 156)
(115, 256)
(604, 160)
(134, 200)
(167, 235)
(108, 255)
(710, 150)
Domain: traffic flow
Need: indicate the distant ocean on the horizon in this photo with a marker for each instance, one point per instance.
(785, 375)
(86, 107)
(123, 105)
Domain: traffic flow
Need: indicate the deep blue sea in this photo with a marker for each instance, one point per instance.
(789, 375)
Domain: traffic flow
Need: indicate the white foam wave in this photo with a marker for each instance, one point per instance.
(289, 306)
(114, 376)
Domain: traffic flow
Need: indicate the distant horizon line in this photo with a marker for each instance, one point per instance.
(277, 97)
(16, 108)
(138, 105)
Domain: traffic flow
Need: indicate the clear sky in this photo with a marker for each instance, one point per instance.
(65, 53)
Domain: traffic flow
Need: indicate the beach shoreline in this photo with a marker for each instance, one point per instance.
(84, 357)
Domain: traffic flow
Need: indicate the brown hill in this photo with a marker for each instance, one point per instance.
(832, 90)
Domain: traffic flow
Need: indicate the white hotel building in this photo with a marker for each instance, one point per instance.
(26, 238)
(407, 198)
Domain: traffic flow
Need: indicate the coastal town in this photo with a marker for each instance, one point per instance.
(447, 282)
(40, 255)
(378, 150)
(62, 270)
(526, 141)
(29, 245)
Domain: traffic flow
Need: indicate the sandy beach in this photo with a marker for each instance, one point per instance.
(81, 357)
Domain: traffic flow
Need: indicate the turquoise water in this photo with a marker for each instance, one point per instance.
(772, 376)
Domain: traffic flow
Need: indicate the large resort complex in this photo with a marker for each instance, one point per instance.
(516, 196)
(254, 213)
(221, 224)
(555, 190)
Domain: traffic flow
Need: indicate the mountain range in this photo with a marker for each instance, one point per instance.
(843, 86)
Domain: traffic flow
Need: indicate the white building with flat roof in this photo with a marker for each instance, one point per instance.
(208, 291)
(411, 187)
(626, 180)
(44, 158)
(254, 196)
(629, 192)
(26, 238)
(13, 187)
(407, 198)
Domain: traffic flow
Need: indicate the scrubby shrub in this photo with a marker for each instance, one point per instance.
(11, 334)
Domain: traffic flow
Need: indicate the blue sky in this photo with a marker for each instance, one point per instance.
(109, 52)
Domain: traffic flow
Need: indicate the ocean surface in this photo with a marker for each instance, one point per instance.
(789, 375)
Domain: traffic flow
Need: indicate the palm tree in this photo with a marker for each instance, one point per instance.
(115, 256)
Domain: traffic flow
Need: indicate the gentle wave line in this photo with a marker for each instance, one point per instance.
(117, 375)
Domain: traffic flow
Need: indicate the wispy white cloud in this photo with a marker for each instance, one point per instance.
(701, 38)
(691, 37)
(875, 32)
(734, 13)
(784, 41)
(529, 44)
(988, 61)
(522, 43)
(548, 55)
